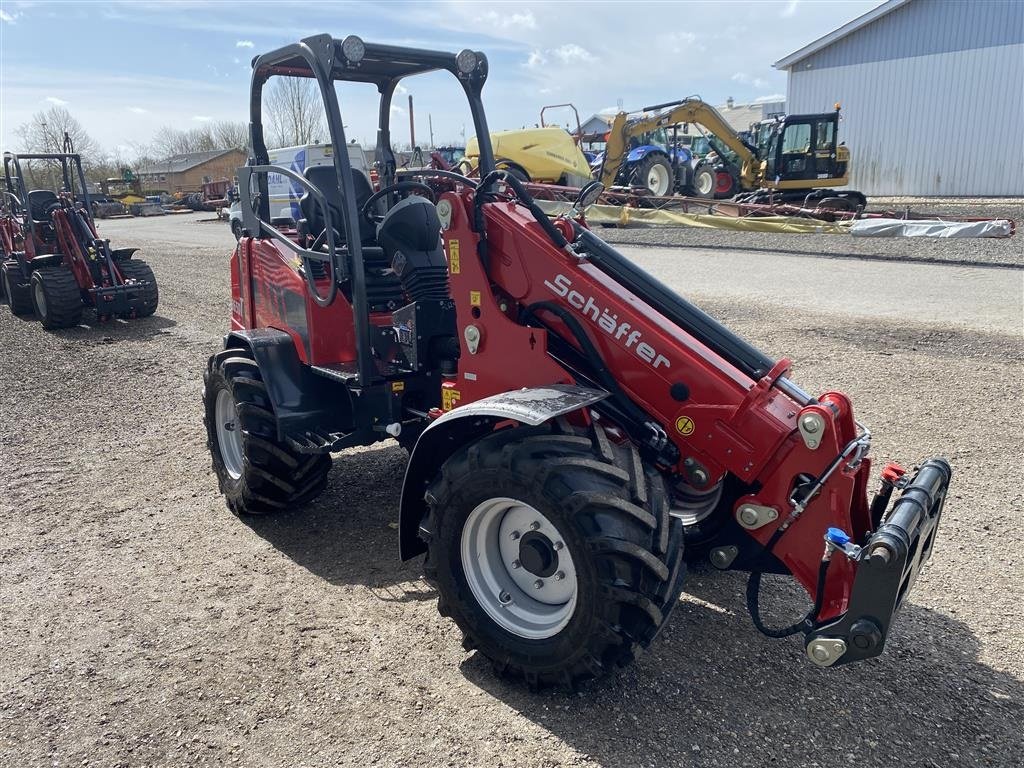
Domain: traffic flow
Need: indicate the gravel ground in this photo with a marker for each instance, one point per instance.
(143, 625)
(1000, 252)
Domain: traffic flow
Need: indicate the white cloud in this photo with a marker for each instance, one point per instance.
(745, 79)
(770, 97)
(790, 8)
(138, 110)
(201, 118)
(55, 100)
(244, 44)
(8, 17)
(571, 52)
(401, 90)
(536, 59)
(397, 109)
(523, 20)
(678, 42)
(237, 60)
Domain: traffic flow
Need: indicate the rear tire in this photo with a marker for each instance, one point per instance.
(145, 299)
(256, 472)
(602, 521)
(19, 295)
(56, 297)
(236, 229)
(655, 174)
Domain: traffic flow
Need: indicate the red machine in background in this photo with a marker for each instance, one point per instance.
(54, 262)
(575, 426)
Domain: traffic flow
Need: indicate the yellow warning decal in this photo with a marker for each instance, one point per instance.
(397, 386)
(685, 426)
(474, 298)
(449, 398)
(453, 257)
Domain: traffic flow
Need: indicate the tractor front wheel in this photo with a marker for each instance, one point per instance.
(257, 472)
(655, 174)
(704, 182)
(56, 297)
(553, 551)
(19, 295)
(144, 298)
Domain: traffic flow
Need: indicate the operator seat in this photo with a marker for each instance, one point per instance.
(324, 178)
(38, 201)
(383, 290)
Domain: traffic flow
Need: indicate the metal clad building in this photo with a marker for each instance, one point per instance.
(932, 95)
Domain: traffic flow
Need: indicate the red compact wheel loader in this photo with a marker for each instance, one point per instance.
(574, 427)
(53, 261)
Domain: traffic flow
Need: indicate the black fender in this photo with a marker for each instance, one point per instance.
(462, 425)
(121, 254)
(302, 400)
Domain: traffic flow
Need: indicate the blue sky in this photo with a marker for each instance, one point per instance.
(125, 69)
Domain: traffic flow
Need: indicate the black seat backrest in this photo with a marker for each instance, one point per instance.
(38, 201)
(325, 179)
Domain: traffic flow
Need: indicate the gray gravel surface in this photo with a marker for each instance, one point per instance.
(997, 252)
(142, 624)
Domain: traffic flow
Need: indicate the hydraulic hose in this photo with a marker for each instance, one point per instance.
(524, 197)
(754, 593)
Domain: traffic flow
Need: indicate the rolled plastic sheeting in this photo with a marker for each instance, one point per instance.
(930, 228)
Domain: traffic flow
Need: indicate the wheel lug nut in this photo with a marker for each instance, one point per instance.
(516, 563)
(514, 535)
(534, 525)
(560, 575)
(538, 584)
(504, 598)
(557, 545)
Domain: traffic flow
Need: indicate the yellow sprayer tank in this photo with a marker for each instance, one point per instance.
(547, 155)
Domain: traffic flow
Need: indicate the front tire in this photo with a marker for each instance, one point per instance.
(591, 577)
(145, 298)
(19, 295)
(256, 472)
(236, 229)
(56, 297)
(704, 182)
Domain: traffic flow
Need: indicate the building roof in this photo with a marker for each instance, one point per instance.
(838, 34)
(181, 163)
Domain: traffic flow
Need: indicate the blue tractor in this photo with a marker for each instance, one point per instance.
(659, 163)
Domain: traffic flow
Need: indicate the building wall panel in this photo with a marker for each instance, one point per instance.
(950, 123)
(923, 28)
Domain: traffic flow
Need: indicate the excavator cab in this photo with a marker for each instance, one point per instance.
(802, 149)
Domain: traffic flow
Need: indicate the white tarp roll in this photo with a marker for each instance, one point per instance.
(929, 228)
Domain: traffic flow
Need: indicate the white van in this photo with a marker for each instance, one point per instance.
(286, 193)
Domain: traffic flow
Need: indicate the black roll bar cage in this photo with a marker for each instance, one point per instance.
(19, 192)
(328, 59)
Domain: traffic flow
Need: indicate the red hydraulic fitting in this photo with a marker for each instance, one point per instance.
(892, 472)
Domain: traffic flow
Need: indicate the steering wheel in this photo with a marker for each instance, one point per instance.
(401, 186)
(54, 206)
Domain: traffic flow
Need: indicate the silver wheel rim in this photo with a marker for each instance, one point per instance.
(657, 179)
(532, 604)
(229, 436)
(705, 183)
(40, 298)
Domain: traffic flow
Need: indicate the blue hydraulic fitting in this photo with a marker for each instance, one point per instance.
(838, 537)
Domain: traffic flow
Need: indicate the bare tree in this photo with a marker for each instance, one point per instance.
(170, 141)
(45, 133)
(295, 111)
(230, 134)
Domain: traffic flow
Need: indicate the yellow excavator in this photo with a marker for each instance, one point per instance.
(793, 158)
